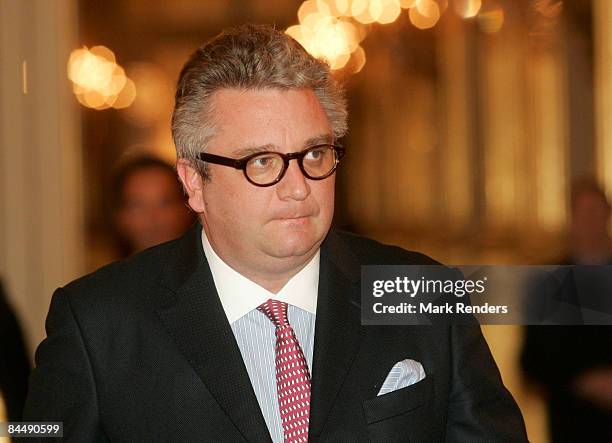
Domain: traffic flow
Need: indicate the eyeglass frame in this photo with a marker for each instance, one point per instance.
(241, 163)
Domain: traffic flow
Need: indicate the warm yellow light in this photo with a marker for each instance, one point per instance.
(96, 77)
(126, 96)
(491, 21)
(95, 100)
(361, 31)
(358, 7)
(428, 8)
(315, 20)
(331, 42)
(90, 71)
(296, 31)
(391, 10)
(343, 7)
(340, 61)
(104, 52)
(109, 101)
(117, 82)
(333, 29)
(351, 34)
(361, 12)
(77, 89)
(406, 4)
(442, 5)
(357, 61)
(375, 8)
(81, 99)
(307, 8)
(310, 20)
(303, 35)
(468, 8)
(421, 5)
(327, 37)
(423, 21)
(329, 7)
(74, 62)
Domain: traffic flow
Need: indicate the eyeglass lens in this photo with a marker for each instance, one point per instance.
(267, 167)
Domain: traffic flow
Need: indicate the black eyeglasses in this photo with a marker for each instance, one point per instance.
(268, 168)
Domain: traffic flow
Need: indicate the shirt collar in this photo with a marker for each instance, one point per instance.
(239, 295)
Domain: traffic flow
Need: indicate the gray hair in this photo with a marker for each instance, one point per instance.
(247, 57)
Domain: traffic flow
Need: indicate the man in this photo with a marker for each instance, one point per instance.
(573, 364)
(190, 340)
(149, 205)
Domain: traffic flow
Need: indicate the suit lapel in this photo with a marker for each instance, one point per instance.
(193, 316)
(337, 329)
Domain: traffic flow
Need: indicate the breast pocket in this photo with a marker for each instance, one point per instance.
(399, 402)
(402, 415)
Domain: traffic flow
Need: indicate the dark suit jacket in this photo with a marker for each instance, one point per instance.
(142, 350)
(555, 357)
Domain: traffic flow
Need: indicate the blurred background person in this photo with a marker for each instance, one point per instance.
(149, 205)
(14, 363)
(572, 365)
(590, 242)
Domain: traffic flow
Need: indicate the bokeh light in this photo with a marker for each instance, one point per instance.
(97, 80)
(343, 7)
(357, 61)
(467, 8)
(385, 11)
(491, 21)
(425, 15)
(127, 95)
(326, 36)
(334, 29)
(405, 4)
(360, 10)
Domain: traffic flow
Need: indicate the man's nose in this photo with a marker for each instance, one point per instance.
(294, 185)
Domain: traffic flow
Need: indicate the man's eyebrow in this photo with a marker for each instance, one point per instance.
(270, 147)
(242, 152)
(322, 139)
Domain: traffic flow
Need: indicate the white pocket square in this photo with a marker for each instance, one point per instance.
(403, 373)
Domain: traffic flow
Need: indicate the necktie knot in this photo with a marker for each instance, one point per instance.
(276, 311)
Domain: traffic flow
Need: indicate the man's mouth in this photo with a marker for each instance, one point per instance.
(296, 219)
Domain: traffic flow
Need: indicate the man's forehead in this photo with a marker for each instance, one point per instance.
(254, 120)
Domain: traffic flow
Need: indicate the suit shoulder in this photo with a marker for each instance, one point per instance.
(369, 251)
(123, 276)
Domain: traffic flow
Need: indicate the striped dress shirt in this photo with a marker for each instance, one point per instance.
(255, 333)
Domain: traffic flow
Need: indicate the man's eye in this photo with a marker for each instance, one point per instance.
(315, 154)
(263, 162)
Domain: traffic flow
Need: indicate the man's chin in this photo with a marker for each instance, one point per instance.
(295, 245)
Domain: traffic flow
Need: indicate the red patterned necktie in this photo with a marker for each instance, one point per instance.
(292, 375)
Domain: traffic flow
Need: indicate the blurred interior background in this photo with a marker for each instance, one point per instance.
(469, 120)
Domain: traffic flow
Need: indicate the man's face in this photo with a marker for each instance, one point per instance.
(153, 210)
(275, 228)
(590, 217)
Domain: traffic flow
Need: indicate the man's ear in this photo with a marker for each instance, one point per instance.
(193, 183)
